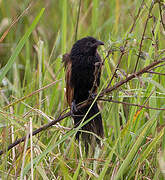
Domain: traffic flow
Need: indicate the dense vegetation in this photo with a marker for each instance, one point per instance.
(33, 37)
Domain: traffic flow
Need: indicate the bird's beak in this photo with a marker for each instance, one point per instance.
(97, 43)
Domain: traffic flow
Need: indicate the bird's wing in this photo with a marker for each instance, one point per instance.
(68, 72)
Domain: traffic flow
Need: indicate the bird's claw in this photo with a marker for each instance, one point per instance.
(92, 95)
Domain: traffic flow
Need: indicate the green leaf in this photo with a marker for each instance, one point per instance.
(133, 151)
(20, 45)
(106, 165)
(77, 171)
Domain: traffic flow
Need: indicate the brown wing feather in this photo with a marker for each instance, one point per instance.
(68, 71)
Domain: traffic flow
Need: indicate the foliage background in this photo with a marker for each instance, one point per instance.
(133, 147)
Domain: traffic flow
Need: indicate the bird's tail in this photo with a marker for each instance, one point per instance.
(94, 125)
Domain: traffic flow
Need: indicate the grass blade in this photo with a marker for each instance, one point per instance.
(20, 45)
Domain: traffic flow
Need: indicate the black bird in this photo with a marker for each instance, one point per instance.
(83, 69)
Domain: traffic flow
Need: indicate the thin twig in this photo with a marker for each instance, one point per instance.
(130, 77)
(131, 104)
(157, 66)
(153, 72)
(31, 94)
(105, 91)
(14, 22)
(142, 39)
(147, 99)
(161, 16)
(122, 49)
(98, 67)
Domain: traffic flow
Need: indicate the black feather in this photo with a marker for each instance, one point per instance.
(84, 57)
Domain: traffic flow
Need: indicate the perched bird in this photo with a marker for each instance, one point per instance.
(83, 69)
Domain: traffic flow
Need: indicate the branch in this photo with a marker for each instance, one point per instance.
(131, 104)
(105, 91)
(153, 72)
(133, 75)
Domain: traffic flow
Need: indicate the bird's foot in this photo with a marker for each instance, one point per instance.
(92, 95)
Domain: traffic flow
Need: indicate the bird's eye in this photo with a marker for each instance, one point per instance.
(89, 43)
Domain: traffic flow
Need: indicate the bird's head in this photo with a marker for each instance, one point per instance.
(86, 46)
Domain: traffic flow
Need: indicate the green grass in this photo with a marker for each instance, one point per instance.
(31, 58)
